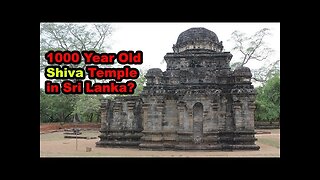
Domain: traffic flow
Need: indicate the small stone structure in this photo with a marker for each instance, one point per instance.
(73, 131)
(198, 103)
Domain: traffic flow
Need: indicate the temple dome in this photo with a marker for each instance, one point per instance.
(197, 34)
(197, 38)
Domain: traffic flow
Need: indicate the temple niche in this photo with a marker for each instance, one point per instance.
(198, 103)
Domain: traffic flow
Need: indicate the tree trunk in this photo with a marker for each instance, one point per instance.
(91, 115)
(76, 118)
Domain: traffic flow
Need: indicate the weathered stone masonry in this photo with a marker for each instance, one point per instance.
(198, 103)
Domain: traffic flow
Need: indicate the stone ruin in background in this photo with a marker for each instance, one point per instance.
(198, 103)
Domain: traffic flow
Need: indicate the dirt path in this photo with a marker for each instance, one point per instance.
(54, 145)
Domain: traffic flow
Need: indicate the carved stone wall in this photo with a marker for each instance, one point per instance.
(121, 122)
(197, 103)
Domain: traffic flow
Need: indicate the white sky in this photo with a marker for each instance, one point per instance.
(157, 39)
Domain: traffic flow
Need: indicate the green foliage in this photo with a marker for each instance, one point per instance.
(56, 107)
(87, 107)
(254, 48)
(140, 82)
(63, 108)
(268, 100)
(264, 73)
(73, 36)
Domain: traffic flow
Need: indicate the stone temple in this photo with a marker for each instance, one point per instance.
(198, 103)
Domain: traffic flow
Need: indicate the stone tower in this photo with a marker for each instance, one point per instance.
(198, 103)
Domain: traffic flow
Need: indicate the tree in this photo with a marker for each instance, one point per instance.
(57, 107)
(70, 36)
(268, 100)
(252, 47)
(264, 73)
(87, 107)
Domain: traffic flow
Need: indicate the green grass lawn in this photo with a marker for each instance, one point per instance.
(270, 141)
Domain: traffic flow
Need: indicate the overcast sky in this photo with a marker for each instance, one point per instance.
(157, 39)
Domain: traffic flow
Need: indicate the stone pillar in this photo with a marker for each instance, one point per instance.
(243, 109)
(214, 114)
(130, 123)
(251, 110)
(222, 114)
(103, 110)
(210, 127)
(159, 116)
(238, 118)
(123, 129)
(104, 121)
(185, 134)
(153, 117)
(208, 122)
(190, 118)
(243, 112)
(116, 121)
(181, 111)
(145, 119)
